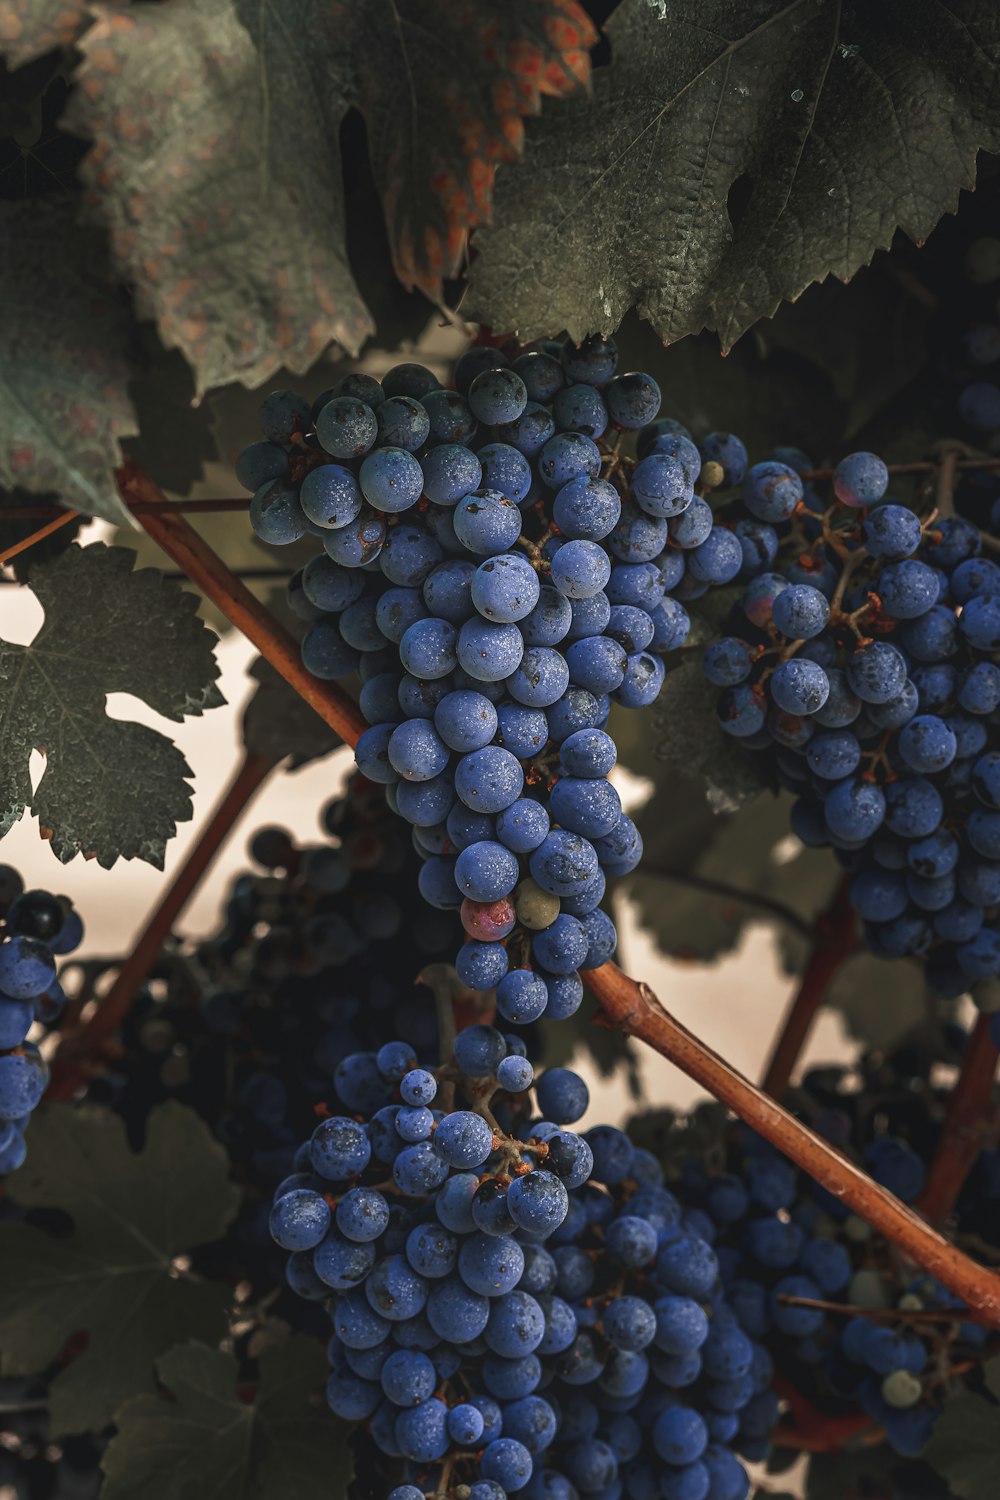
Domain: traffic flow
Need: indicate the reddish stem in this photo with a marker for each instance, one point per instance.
(61, 518)
(632, 1007)
(969, 1119)
(77, 1051)
(192, 507)
(836, 939)
(637, 1011)
(205, 568)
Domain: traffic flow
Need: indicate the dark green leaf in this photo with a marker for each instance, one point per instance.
(111, 787)
(869, 337)
(693, 745)
(208, 1442)
(902, 997)
(277, 722)
(225, 197)
(965, 1445)
(30, 27)
(114, 1277)
(734, 153)
(64, 360)
(744, 852)
(175, 439)
(764, 394)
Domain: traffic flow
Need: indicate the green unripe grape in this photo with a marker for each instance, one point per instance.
(536, 909)
(867, 1289)
(857, 1230)
(901, 1389)
(910, 1302)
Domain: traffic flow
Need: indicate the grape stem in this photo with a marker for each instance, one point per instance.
(970, 1119)
(632, 1007)
(926, 467)
(80, 1050)
(61, 519)
(835, 938)
(637, 1011)
(441, 980)
(882, 1314)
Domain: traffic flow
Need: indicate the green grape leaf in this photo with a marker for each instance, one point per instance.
(115, 1277)
(209, 1441)
(692, 744)
(731, 155)
(225, 198)
(279, 723)
(30, 27)
(673, 886)
(902, 997)
(64, 360)
(175, 439)
(965, 1445)
(111, 788)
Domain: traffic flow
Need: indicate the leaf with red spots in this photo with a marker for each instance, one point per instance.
(223, 191)
(30, 27)
(64, 360)
(215, 168)
(734, 153)
(444, 87)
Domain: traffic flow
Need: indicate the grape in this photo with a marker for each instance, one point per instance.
(580, 569)
(347, 427)
(579, 408)
(771, 491)
(276, 514)
(505, 588)
(860, 479)
(391, 479)
(284, 415)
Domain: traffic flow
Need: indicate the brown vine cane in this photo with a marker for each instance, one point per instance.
(630, 1006)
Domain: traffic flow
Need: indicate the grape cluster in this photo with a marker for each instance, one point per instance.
(497, 583)
(858, 661)
(37, 928)
(788, 1250)
(516, 1307)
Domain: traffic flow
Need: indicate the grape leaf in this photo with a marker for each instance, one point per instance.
(965, 1445)
(30, 27)
(692, 743)
(732, 154)
(902, 997)
(64, 360)
(689, 920)
(444, 102)
(278, 722)
(209, 1442)
(110, 788)
(114, 1277)
(224, 195)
